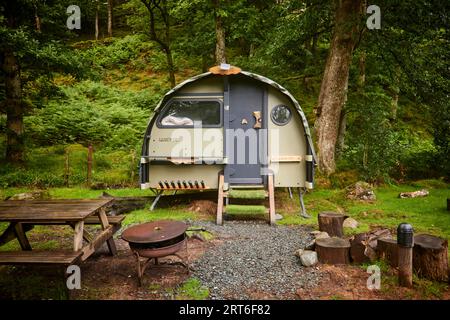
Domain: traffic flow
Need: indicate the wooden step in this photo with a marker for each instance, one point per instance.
(39, 257)
(247, 186)
(246, 194)
(111, 219)
(245, 209)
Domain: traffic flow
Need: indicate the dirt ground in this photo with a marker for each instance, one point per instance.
(112, 278)
(106, 277)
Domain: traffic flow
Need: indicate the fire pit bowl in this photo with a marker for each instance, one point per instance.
(155, 240)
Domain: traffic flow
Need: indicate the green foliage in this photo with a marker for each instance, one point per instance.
(46, 168)
(113, 53)
(145, 215)
(373, 146)
(92, 112)
(192, 289)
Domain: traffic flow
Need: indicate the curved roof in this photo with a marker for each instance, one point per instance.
(257, 77)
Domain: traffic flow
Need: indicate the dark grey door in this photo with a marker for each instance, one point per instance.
(245, 131)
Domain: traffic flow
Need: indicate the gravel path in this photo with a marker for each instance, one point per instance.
(254, 257)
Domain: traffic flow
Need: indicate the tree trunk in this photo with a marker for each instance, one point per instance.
(110, 18)
(162, 41)
(362, 70)
(37, 19)
(96, 21)
(387, 249)
(333, 250)
(205, 63)
(358, 248)
(430, 257)
(341, 135)
(14, 108)
(171, 66)
(333, 91)
(220, 35)
(331, 223)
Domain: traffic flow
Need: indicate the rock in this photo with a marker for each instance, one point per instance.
(34, 195)
(278, 216)
(315, 232)
(309, 258)
(361, 191)
(414, 194)
(350, 223)
(321, 235)
(311, 245)
(299, 252)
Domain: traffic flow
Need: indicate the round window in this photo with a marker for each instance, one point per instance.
(281, 115)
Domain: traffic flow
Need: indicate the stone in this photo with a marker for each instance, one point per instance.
(311, 245)
(309, 258)
(350, 223)
(361, 191)
(278, 216)
(34, 195)
(299, 252)
(315, 232)
(414, 194)
(321, 235)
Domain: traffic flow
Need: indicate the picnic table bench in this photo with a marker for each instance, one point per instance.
(23, 215)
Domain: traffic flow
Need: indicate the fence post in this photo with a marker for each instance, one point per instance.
(66, 167)
(133, 164)
(89, 165)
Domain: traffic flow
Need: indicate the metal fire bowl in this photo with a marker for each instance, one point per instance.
(155, 233)
(157, 252)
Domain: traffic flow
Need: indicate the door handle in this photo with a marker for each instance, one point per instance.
(258, 120)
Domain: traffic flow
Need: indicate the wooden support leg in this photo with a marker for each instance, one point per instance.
(21, 236)
(219, 218)
(78, 238)
(105, 224)
(10, 233)
(271, 200)
(405, 260)
(87, 236)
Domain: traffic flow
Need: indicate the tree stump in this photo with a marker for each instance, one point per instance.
(333, 250)
(430, 258)
(331, 222)
(357, 249)
(387, 249)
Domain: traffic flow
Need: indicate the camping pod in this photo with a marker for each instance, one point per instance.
(227, 123)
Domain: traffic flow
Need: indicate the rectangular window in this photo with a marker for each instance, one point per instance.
(183, 113)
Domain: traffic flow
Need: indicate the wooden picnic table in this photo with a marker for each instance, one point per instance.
(22, 215)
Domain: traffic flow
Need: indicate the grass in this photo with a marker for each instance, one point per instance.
(247, 194)
(192, 289)
(79, 192)
(427, 215)
(205, 234)
(145, 215)
(245, 209)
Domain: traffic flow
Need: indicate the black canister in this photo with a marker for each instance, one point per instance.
(405, 235)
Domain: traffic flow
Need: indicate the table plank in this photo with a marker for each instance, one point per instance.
(54, 210)
(39, 257)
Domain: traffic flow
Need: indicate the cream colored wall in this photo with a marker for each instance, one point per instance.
(213, 85)
(204, 143)
(291, 142)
